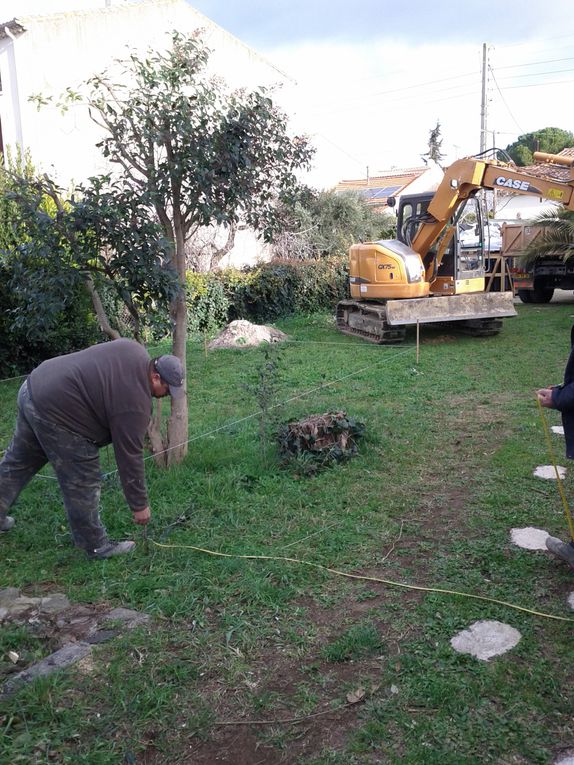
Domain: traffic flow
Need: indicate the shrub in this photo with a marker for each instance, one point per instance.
(44, 309)
(207, 302)
(265, 293)
(23, 346)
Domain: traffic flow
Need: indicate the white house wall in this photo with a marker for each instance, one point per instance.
(429, 180)
(513, 207)
(63, 50)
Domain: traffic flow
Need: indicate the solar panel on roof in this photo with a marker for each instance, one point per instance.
(371, 193)
(380, 192)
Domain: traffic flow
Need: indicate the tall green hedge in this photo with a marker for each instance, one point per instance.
(265, 293)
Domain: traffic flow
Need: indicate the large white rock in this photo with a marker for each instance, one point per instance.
(558, 429)
(244, 334)
(486, 639)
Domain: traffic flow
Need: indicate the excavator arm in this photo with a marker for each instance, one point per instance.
(467, 176)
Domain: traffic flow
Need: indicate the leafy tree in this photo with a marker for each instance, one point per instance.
(550, 139)
(196, 154)
(10, 218)
(435, 142)
(327, 223)
(101, 237)
(44, 309)
(557, 238)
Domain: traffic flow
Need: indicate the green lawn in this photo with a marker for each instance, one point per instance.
(253, 661)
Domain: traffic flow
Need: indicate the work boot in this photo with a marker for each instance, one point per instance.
(561, 549)
(6, 523)
(111, 548)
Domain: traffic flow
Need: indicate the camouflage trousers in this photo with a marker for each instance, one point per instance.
(75, 461)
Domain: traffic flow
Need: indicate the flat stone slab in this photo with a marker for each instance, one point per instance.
(67, 655)
(127, 617)
(54, 603)
(558, 429)
(529, 538)
(78, 628)
(8, 595)
(571, 600)
(12, 603)
(486, 639)
(549, 473)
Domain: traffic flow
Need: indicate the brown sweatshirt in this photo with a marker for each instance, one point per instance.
(103, 394)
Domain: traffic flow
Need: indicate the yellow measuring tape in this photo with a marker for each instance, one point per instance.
(367, 578)
(558, 479)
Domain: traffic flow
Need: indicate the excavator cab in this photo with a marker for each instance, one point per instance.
(455, 262)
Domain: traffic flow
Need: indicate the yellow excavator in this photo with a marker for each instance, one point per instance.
(426, 275)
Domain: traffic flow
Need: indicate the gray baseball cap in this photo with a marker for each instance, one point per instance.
(170, 369)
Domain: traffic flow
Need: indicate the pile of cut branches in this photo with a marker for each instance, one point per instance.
(319, 440)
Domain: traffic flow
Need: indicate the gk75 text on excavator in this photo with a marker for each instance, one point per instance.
(425, 275)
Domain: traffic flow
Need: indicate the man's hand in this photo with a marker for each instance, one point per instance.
(545, 397)
(142, 517)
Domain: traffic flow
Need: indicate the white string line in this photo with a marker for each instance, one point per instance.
(366, 346)
(294, 341)
(404, 348)
(275, 406)
(18, 377)
(255, 414)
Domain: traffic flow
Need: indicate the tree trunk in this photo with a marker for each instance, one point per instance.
(177, 425)
(156, 442)
(103, 320)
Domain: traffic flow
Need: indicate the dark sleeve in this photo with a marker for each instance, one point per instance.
(563, 397)
(128, 432)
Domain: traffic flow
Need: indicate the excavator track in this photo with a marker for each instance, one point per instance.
(476, 327)
(369, 322)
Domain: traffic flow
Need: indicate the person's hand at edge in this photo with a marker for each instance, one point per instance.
(142, 517)
(545, 397)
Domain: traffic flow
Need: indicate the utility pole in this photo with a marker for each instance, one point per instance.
(494, 156)
(483, 101)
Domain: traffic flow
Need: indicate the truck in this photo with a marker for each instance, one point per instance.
(426, 275)
(534, 281)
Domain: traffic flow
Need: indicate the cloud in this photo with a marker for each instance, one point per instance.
(363, 111)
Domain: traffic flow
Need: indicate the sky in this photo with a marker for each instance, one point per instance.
(368, 81)
(371, 80)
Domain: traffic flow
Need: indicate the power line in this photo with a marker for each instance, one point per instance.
(539, 84)
(504, 101)
(535, 63)
(536, 74)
